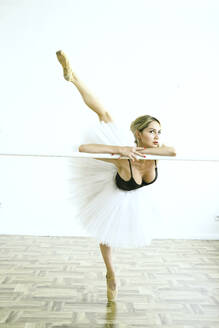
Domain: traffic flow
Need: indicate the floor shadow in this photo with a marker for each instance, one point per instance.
(111, 311)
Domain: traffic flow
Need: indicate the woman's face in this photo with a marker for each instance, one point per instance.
(149, 137)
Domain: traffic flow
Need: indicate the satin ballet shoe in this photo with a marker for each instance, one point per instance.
(111, 293)
(65, 65)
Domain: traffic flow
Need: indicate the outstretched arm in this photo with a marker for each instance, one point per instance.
(126, 151)
(161, 151)
(88, 98)
(130, 152)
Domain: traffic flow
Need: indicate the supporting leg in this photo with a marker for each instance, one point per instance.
(88, 98)
(107, 257)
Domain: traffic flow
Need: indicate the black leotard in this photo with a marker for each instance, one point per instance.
(131, 184)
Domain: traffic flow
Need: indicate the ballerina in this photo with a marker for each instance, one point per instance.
(113, 197)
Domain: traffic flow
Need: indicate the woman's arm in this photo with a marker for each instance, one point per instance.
(99, 148)
(130, 152)
(127, 151)
(161, 151)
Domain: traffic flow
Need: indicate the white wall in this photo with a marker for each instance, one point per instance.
(138, 57)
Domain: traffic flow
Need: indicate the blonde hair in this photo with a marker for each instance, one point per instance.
(140, 123)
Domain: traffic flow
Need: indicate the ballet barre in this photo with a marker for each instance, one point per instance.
(116, 156)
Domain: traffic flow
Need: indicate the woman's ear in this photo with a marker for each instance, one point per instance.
(138, 135)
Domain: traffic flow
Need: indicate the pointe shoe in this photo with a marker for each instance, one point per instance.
(111, 293)
(65, 65)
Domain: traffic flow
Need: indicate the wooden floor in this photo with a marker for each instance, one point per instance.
(54, 282)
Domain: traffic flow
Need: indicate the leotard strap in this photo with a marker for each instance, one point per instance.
(130, 168)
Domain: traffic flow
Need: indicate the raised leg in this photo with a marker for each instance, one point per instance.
(88, 98)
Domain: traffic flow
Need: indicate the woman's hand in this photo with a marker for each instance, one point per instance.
(131, 152)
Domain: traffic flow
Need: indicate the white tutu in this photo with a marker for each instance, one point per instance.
(113, 216)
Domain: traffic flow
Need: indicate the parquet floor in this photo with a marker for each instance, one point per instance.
(59, 282)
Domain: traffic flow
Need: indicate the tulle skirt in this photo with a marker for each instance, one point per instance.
(115, 217)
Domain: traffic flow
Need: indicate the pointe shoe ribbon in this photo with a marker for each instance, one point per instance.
(111, 293)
